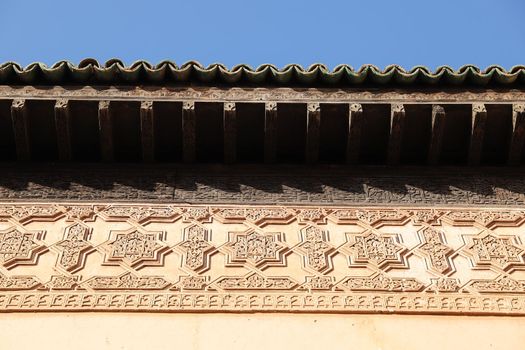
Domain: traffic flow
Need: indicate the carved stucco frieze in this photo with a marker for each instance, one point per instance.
(117, 257)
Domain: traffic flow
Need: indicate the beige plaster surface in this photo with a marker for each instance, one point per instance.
(257, 331)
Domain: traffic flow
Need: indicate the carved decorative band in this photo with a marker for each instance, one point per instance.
(106, 256)
(259, 94)
(196, 187)
(264, 302)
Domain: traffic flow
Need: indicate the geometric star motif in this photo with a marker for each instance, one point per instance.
(436, 253)
(19, 248)
(136, 248)
(317, 250)
(490, 250)
(197, 249)
(258, 249)
(74, 248)
(383, 251)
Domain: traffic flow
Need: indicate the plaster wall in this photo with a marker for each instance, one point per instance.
(257, 331)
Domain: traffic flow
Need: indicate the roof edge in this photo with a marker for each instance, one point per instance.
(114, 72)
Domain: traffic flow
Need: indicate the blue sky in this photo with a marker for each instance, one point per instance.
(380, 32)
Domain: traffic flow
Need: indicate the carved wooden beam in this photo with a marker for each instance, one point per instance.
(20, 129)
(63, 129)
(147, 131)
(105, 125)
(437, 132)
(518, 134)
(353, 144)
(479, 119)
(397, 122)
(189, 150)
(270, 132)
(230, 132)
(313, 130)
(256, 94)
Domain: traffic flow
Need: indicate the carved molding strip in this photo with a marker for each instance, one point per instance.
(179, 257)
(264, 302)
(172, 186)
(259, 94)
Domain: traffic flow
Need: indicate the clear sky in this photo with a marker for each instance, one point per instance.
(380, 32)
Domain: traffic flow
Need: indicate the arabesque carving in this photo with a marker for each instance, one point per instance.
(317, 250)
(379, 250)
(197, 248)
(19, 248)
(488, 250)
(74, 247)
(380, 282)
(256, 248)
(286, 258)
(255, 281)
(136, 248)
(436, 251)
(127, 281)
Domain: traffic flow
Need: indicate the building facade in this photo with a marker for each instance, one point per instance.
(217, 195)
